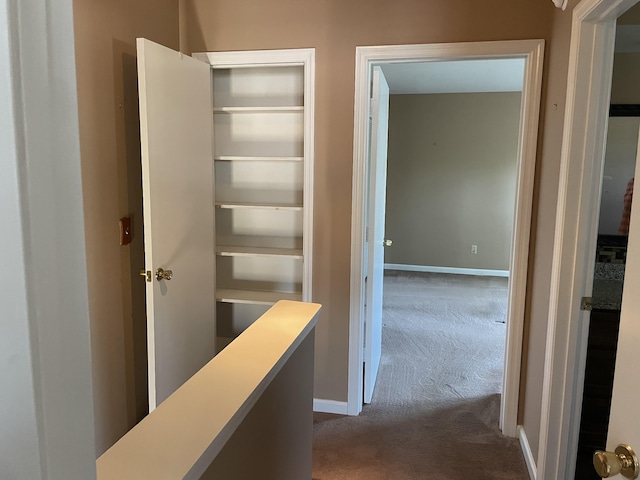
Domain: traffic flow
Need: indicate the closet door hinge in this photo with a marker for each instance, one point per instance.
(586, 304)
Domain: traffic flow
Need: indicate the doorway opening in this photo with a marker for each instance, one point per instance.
(530, 52)
(609, 271)
(584, 175)
(450, 201)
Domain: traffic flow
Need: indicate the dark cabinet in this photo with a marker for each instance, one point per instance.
(598, 386)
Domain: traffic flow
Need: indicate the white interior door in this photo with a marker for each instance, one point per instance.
(624, 423)
(177, 172)
(375, 222)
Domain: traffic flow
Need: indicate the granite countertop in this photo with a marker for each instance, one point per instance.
(607, 286)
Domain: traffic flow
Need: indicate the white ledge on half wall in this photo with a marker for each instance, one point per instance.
(454, 270)
(181, 438)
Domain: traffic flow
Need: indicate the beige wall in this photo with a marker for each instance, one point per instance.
(451, 179)
(335, 28)
(631, 16)
(105, 32)
(543, 224)
(626, 78)
(622, 141)
(619, 168)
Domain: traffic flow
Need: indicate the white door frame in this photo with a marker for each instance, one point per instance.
(532, 52)
(46, 344)
(587, 105)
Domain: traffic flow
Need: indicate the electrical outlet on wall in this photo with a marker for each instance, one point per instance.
(474, 249)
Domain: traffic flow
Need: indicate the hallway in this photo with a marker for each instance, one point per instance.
(437, 396)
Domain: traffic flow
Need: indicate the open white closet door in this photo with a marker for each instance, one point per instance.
(177, 172)
(375, 228)
(624, 421)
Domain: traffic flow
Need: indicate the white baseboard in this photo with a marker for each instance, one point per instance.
(455, 270)
(526, 451)
(329, 406)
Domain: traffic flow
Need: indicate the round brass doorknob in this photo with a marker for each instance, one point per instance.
(162, 274)
(387, 242)
(623, 461)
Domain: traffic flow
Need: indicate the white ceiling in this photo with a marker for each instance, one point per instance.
(461, 76)
(470, 76)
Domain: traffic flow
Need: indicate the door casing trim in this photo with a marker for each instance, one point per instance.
(532, 52)
(585, 125)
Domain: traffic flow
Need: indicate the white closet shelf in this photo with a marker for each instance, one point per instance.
(262, 112)
(237, 251)
(263, 205)
(259, 241)
(285, 109)
(248, 65)
(254, 297)
(232, 158)
(230, 194)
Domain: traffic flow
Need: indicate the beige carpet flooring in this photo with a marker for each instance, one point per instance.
(435, 408)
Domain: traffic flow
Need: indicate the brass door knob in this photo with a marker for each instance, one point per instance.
(387, 243)
(162, 274)
(623, 461)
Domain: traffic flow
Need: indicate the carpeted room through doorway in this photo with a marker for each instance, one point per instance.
(435, 409)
